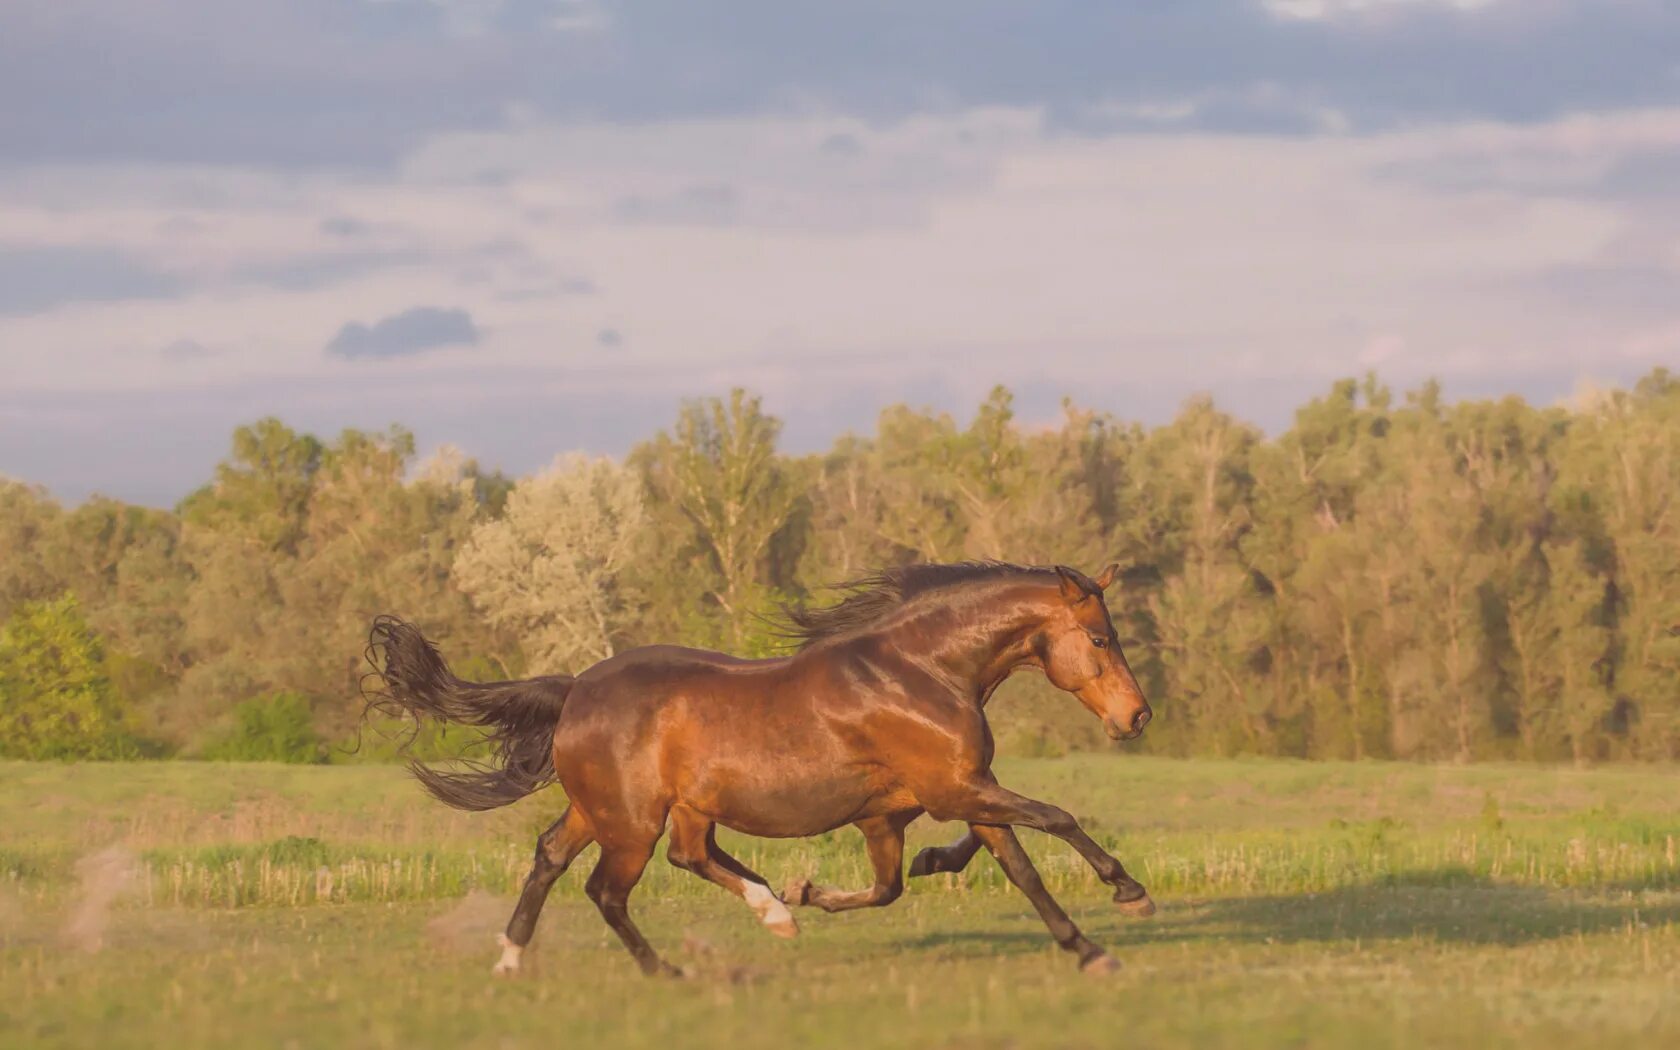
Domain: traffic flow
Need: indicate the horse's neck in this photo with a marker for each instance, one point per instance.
(975, 647)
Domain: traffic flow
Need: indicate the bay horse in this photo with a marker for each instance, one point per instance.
(877, 718)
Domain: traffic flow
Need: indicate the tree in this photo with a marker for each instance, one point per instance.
(1209, 619)
(1389, 577)
(719, 470)
(551, 568)
(28, 520)
(55, 698)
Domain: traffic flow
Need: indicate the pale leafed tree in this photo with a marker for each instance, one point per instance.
(549, 569)
(446, 466)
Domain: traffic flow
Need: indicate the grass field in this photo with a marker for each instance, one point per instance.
(1301, 905)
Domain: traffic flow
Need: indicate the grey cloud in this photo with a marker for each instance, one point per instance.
(186, 350)
(324, 81)
(1647, 175)
(1642, 176)
(343, 226)
(34, 278)
(841, 144)
(545, 286)
(413, 331)
(1616, 289)
(705, 205)
(308, 272)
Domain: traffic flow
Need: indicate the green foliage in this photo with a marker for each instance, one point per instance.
(275, 728)
(56, 701)
(728, 499)
(1391, 577)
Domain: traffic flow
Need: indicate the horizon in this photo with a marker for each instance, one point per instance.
(814, 443)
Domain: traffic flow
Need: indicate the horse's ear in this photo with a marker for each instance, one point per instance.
(1106, 578)
(1072, 589)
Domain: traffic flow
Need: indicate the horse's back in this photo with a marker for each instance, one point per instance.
(631, 694)
(745, 742)
(674, 659)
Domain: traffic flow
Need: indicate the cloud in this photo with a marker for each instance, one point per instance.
(1608, 289)
(709, 205)
(1317, 9)
(343, 226)
(990, 232)
(186, 350)
(34, 278)
(319, 269)
(1653, 174)
(314, 83)
(413, 331)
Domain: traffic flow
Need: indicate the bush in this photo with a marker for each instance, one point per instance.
(56, 700)
(274, 728)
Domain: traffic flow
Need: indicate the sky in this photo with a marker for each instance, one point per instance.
(522, 227)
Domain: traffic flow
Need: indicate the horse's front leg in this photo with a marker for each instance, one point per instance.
(884, 839)
(982, 800)
(1001, 842)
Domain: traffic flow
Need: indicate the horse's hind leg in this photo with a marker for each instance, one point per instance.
(884, 839)
(694, 848)
(609, 886)
(556, 849)
(952, 858)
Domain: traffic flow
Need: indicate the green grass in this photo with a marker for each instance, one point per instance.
(1302, 905)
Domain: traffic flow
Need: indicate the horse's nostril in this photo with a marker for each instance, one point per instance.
(1140, 720)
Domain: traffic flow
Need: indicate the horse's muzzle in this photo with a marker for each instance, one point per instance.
(1116, 731)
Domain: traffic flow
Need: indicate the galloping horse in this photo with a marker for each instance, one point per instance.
(878, 718)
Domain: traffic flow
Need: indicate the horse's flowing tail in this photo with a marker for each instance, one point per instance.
(413, 680)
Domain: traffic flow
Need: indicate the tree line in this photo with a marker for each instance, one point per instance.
(1396, 578)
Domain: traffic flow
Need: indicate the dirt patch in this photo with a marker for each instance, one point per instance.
(102, 878)
(471, 925)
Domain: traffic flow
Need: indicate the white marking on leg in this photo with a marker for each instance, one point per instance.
(771, 911)
(509, 962)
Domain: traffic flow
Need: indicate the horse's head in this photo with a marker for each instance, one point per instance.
(1080, 654)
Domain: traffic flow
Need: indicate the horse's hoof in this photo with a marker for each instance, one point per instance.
(797, 891)
(661, 968)
(508, 964)
(1137, 908)
(1101, 965)
(787, 931)
(923, 863)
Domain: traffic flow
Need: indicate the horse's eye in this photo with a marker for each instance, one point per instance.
(1099, 641)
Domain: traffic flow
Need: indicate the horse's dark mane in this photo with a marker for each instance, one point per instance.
(869, 599)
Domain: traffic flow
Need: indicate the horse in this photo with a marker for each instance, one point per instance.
(877, 717)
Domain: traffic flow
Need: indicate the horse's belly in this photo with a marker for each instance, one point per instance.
(791, 812)
(788, 802)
